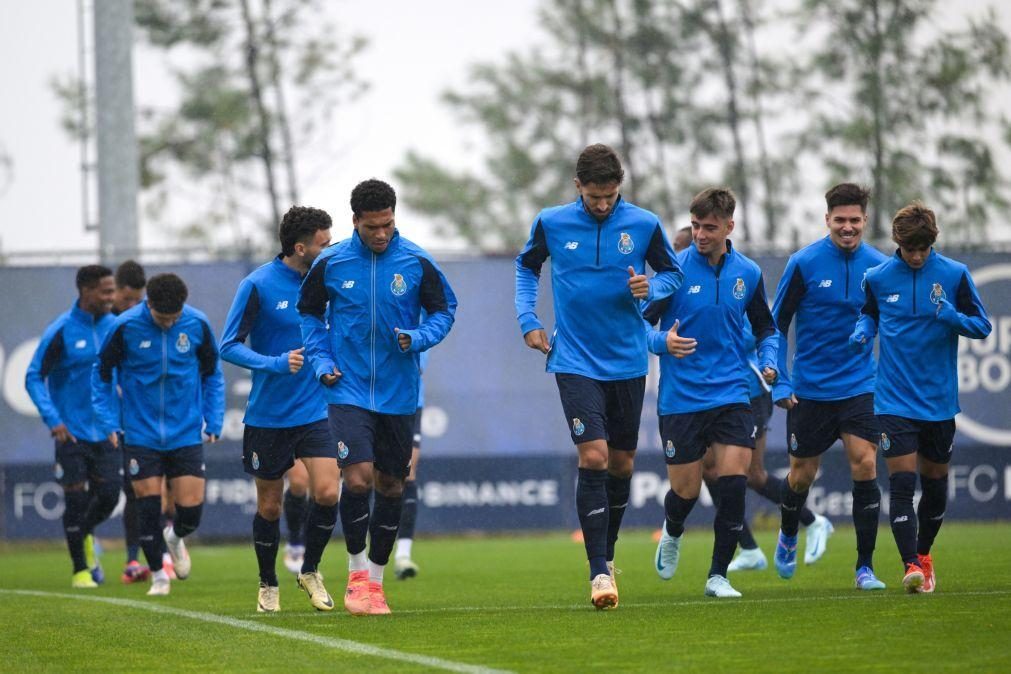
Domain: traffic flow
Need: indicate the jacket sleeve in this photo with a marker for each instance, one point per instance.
(47, 356)
(212, 383)
(528, 275)
(239, 323)
(867, 324)
(312, 302)
(439, 303)
(763, 327)
(789, 293)
(967, 316)
(656, 340)
(103, 381)
(660, 256)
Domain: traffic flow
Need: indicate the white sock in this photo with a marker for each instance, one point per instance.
(160, 574)
(376, 572)
(404, 548)
(358, 562)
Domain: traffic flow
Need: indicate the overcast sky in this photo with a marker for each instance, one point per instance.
(417, 50)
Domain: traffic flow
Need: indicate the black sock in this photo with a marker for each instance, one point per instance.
(75, 506)
(591, 506)
(130, 533)
(409, 509)
(866, 508)
(618, 489)
(676, 510)
(728, 522)
(713, 487)
(266, 539)
(789, 509)
(903, 516)
(383, 528)
(295, 510)
(772, 489)
(806, 516)
(149, 530)
(930, 513)
(354, 509)
(187, 519)
(104, 497)
(747, 539)
(318, 529)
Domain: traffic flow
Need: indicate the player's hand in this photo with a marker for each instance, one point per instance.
(113, 439)
(211, 438)
(769, 375)
(858, 341)
(638, 284)
(403, 340)
(946, 312)
(296, 360)
(62, 434)
(538, 339)
(331, 378)
(787, 403)
(678, 346)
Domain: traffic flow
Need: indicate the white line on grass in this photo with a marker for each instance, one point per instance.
(327, 642)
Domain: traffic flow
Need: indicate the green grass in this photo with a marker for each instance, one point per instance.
(521, 603)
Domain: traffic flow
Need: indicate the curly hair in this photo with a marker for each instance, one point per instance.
(372, 195)
(166, 293)
(301, 223)
(130, 275)
(89, 275)
(718, 201)
(847, 194)
(599, 165)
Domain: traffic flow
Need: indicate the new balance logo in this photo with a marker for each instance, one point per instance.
(694, 290)
(283, 304)
(598, 511)
(146, 344)
(900, 518)
(892, 298)
(825, 283)
(572, 245)
(348, 284)
(80, 344)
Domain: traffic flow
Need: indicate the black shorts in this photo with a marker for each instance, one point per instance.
(364, 436)
(930, 439)
(812, 426)
(145, 462)
(602, 410)
(416, 428)
(268, 453)
(84, 461)
(761, 407)
(685, 437)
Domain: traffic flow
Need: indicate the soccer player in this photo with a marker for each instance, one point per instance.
(164, 357)
(599, 245)
(682, 239)
(918, 303)
(286, 415)
(360, 306)
(704, 393)
(58, 381)
(403, 566)
(130, 283)
(829, 393)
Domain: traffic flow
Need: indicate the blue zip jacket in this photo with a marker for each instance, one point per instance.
(350, 303)
(919, 315)
(715, 306)
(598, 324)
(823, 287)
(264, 312)
(58, 379)
(757, 385)
(171, 380)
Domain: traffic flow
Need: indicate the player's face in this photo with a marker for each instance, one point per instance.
(846, 226)
(682, 240)
(599, 199)
(165, 321)
(375, 228)
(127, 297)
(915, 257)
(306, 252)
(97, 300)
(710, 234)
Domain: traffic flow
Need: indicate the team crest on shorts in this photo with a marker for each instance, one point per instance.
(885, 443)
(183, 343)
(134, 467)
(399, 285)
(255, 461)
(793, 442)
(577, 427)
(739, 289)
(937, 294)
(58, 471)
(625, 245)
(669, 450)
(342, 450)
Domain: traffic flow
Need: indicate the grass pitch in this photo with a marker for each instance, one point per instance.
(522, 604)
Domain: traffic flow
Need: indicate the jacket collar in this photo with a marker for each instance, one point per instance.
(282, 268)
(905, 265)
(702, 259)
(81, 315)
(617, 205)
(359, 245)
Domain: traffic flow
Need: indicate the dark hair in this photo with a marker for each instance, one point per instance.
(89, 276)
(718, 201)
(914, 226)
(687, 229)
(301, 223)
(847, 194)
(166, 293)
(130, 275)
(372, 195)
(599, 165)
